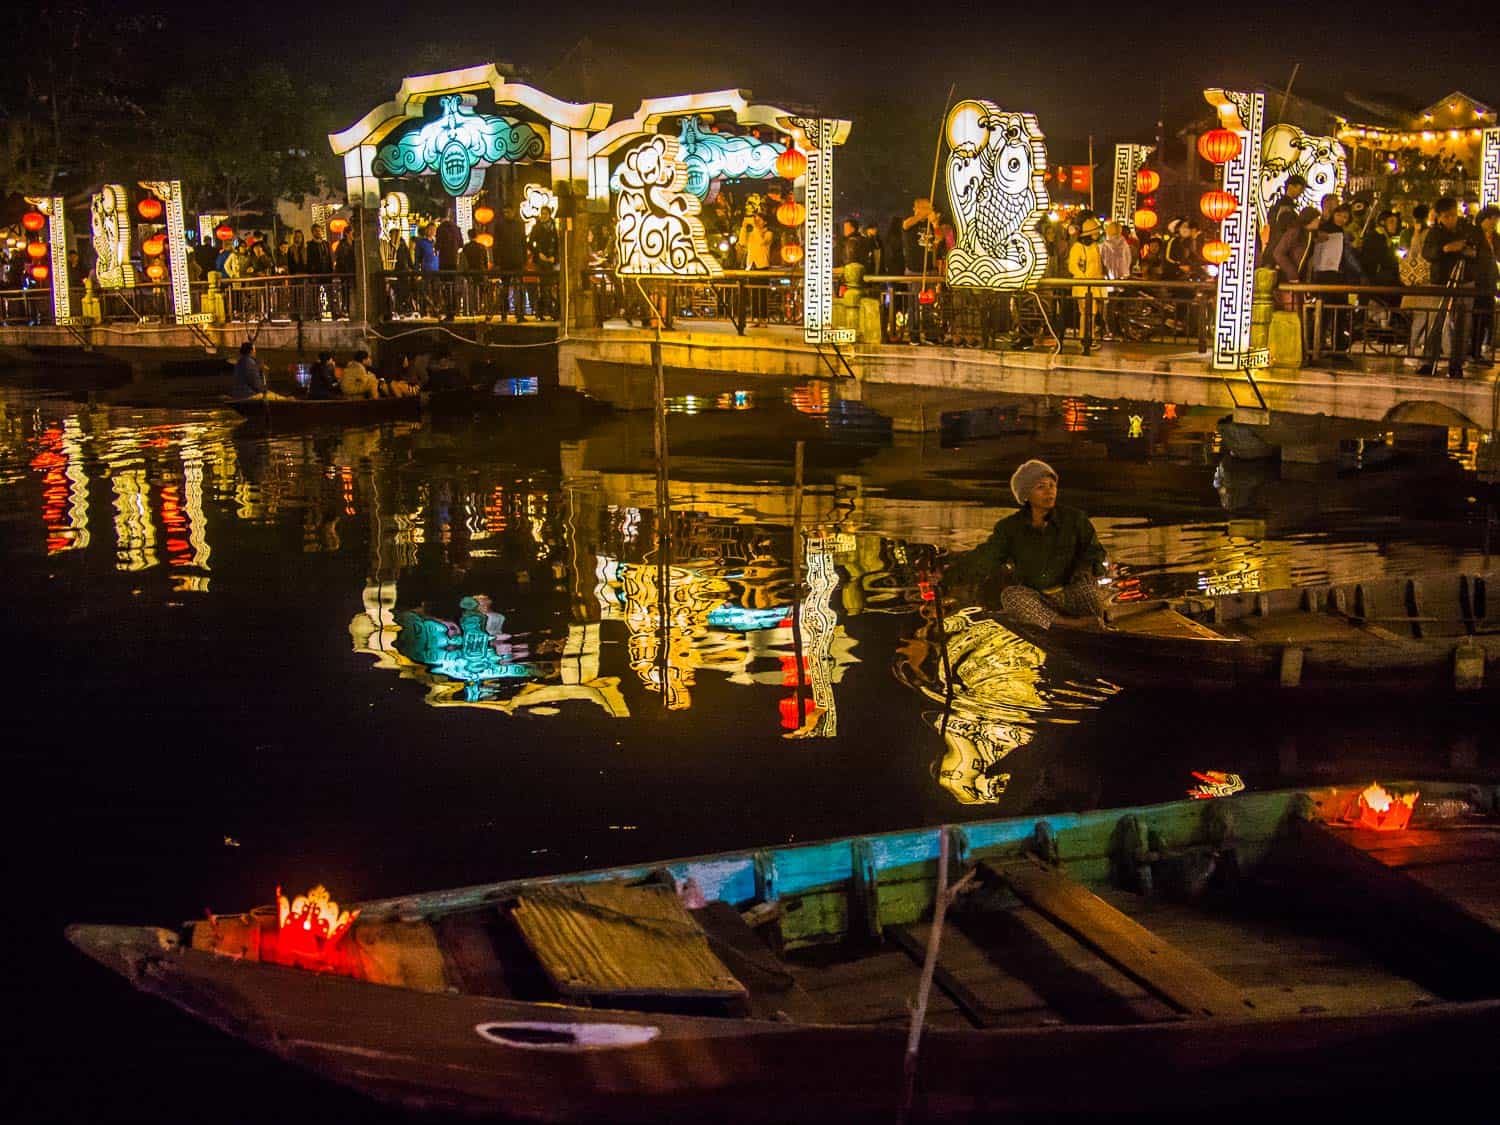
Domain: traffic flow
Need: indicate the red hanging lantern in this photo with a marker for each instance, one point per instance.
(1147, 181)
(1219, 146)
(338, 225)
(40, 272)
(1144, 219)
(154, 245)
(149, 208)
(1218, 205)
(156, 271)
(33, 221)
(791, 253)
(484, 215)
(1217, 251)
(791, 164)
(485, 239)
(927, 297)
(223, 232)
(36, 250)
(791, 213)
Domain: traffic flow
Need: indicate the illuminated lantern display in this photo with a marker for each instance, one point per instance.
(149, 208)
(1218, 205)
(1217, 251)
(1144, 219)
(156, 271)
(154, 245)
(338, 225)
(791, 164)
(36, 249)
(1219, 146)
(308, 928)
(791, 253)
(40, 272)
(997, 178)
(223, 232)
(1147, 181)
(33, 221)
(484, 214)
(485, 239)
(791, 213)
(1378, 810)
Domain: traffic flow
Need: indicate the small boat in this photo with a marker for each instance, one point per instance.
(1374, 637)
(1167, 956)
(330, 411)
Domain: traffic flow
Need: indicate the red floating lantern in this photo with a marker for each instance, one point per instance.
(1216, 251)
(791, 164)
(1382, 811)
(308, 930)
(149, 208)
(40, 272)
(485, 239)
(156, 271)
(1144, 219)
(1147, 181)
(1218, 205)
(33, 221)
(36, 249)
(791, 213)
(223, 232)
(484, 214)
(1219, 146)
(154, 245)
(791, 253)
(338, 225)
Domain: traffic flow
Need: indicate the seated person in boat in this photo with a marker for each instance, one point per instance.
(405, 384)
(1054, 556)
(324, 381)
(357, 381)
(250, 376)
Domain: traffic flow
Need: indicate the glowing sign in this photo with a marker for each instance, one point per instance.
(1489, 169)
(1128, 161)
(713, 156)
(1245, 114)
(657, 228)
(738, 619)
(1286, 150)
(997, 185)
(109, 214)
(459, 146)
(817, 273)
(1215, 783)
(170, 191)
(57, 237)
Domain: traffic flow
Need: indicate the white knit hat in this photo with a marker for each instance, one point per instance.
(1024, 479)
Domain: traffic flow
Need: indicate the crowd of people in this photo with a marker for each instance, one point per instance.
(354, 378)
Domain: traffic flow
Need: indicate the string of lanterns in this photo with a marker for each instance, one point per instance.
(1218, 146)
(154, 245)
(484, 215)
(34, 222)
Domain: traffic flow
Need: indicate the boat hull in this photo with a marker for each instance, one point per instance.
(333, 412)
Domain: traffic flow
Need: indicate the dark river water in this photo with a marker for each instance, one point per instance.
(428, 654)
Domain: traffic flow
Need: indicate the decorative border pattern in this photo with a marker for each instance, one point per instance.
(1129, 159)
(997, 187)
(1489, 169)
(170, 193)
(817, 263)
(1245, 113)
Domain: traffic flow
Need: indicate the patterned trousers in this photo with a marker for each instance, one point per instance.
(1082, 597)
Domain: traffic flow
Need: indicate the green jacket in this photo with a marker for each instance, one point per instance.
(1042, 558)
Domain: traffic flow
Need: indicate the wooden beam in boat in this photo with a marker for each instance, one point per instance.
(975, 980)
(1163, 968)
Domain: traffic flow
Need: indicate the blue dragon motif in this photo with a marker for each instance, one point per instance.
(723, 156)
(458, 145)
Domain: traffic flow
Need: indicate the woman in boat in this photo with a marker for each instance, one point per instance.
(1054, 557)
(357, 382)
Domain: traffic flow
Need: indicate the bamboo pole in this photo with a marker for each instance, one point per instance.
(924, 989)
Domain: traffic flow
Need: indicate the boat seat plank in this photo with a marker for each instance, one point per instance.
(974, 977)
(1305, 628)
(470, 957)
(1163, 968)
(607, 940)
(874, 989)
(1164, 621)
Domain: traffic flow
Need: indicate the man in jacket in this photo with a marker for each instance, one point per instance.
(510, 260)
(1451, 250)
(1486, 278)
(357, 382)
(449, 243)
(543, 247)
(1283, 212)
(319, 265)
(474, 260)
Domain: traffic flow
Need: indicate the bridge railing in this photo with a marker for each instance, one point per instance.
(742, 298)
(520, 295)
(26, 306)
(1351, 323)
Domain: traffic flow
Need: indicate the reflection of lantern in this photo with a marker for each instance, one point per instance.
(1379, 810)
(223, 232)
(1218, 205)
(149, 208)
(791, 253)
(154, 245)
(33, 221)
(36, 249)
(1219, 146)
(1144, 219)
(39, 272)
(791, 713)
(485, 239)
(791, 213)
(156, 271)
(1147, 181)
(791, 164)
(1217, 251)
(484, 214)
(338, 225)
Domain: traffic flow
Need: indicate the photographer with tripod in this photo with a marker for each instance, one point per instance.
(1451, 247)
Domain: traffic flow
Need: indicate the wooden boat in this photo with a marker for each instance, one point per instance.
(1381, 636)
(329, 411)
(1167, 956)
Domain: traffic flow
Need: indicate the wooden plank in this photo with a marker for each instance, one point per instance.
(1417, 847)
(1474, 887)
(608, 940)
(877, 989)
(972, 975)
(1163, 968)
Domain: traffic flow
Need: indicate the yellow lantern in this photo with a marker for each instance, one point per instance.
(338, 225)
(1216, 251)
(484, 214)
(154, 245)
(36, 249)
(791, 253)
(791, 213)
(1144, 219)
(156, 271)
(791, 164)
(485, 239)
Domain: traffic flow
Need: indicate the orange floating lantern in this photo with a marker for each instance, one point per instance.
(1219, 146)
(1378, 810)
(1145, 219)
(154, 245)
(40, 272)
(33, 221)
(1217, 251)
(1218, 205)
(308, 928)
(36, 250)
(156, 271)
(484, 214)
(149, 208)
(791, 253)
(791, 213)
(1147, 181)
(338, 225)
(791, 164)
(223, 232)
(485, 239)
